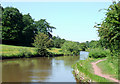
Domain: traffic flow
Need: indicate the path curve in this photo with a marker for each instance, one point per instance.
(98, 71)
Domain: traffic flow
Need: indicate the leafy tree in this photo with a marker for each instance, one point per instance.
(12, 25)
(58, 42)
(70, 48)
(29, 30)
(83, 46)
(1, 9)
(20, 29)
(44, 27)
(94, 44)
(109, 29)
(42, 42)
(87, 44)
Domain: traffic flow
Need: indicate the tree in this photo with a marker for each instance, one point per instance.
(29, 30)
(12, 25)
(87, 44)
(42, 42)
(94, 44)
(44, 27)
(109, 29)
(83, 46)
(1, 9)
(70, 48)
(58, 42)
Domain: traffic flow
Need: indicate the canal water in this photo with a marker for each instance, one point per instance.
(40, 69)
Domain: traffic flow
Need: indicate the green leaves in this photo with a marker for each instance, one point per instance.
(18, 29)
(109, 30)
(42, 42)
(12, 23)
(43, 26)
(58, 42)
(70, 48)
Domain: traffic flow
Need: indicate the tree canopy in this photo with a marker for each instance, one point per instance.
(58, 42)
(12, 25)
(109, 29)
(70, 48)
(19, 29)
(42, 42)
(44, 27)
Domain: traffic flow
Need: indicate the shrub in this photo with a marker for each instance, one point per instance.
(99, 53)
(42, 42)
(70, 48)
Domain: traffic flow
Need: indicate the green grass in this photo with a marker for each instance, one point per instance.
(55, 50)
(17, 51)
(20, 51)
(86, 71)
(109, 68)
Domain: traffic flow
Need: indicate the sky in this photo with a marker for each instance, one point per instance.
(74, 21)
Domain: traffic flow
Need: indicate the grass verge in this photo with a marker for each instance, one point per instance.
(109, 68)
(86, 73)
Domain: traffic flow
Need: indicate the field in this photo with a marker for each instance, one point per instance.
(20, 51)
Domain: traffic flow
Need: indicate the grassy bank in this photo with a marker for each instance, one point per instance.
(85, 71)
(109, 68)
(10, 51)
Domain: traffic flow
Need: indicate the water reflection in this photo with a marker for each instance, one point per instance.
(83, 55)
(26, 70)
(40, 69)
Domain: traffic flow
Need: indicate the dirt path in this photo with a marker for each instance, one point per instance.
(98, 71)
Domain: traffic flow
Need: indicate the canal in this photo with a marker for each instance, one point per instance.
(40, 69)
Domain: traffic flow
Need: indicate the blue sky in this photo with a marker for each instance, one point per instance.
(73, 20)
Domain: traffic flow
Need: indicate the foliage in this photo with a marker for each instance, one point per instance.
(42, 42)
(109, 29)
(93, 44)
(70, 48)
(99, 53)
(82, 46)
(28, 31)
(58, 42)
(44, 27)
(1, 9)
(11, 24)
(19, 29)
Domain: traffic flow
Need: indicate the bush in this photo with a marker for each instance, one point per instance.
(25, 52)
(99, 53)
(70, 48)
(42, 42)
